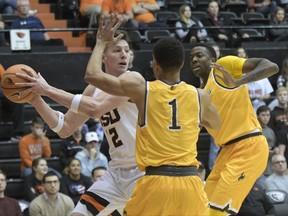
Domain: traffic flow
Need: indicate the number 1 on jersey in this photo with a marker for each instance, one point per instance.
(174, 125)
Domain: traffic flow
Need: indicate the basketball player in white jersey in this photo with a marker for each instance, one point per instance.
(118, 117)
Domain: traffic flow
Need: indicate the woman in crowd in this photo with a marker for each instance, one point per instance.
(278, 19)
(189, 29)
(74, 184)
(33, 182)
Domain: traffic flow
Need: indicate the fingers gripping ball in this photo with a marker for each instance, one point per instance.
(13, 92)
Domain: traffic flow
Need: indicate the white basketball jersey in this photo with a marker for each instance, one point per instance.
(119, 126)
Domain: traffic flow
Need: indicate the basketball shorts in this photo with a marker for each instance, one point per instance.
(235, 171)
(109, 194)
(168, 195)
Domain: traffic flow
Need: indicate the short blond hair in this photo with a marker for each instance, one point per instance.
(281, 89)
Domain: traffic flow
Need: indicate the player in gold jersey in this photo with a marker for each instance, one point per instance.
(244, 153)
(171, 113)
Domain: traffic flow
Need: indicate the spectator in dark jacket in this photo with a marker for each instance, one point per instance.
(231, 37)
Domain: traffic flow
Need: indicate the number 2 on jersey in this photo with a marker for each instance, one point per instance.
(115, 137)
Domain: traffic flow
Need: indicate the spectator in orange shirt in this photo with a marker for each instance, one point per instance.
(91, 9)
(143, 11)
(123, 9)
(34, 145)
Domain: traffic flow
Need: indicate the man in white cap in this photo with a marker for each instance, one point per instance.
(91, 156)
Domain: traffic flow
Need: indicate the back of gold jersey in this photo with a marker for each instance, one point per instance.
(171, 128)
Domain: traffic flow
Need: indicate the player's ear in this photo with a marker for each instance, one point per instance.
(213, 59)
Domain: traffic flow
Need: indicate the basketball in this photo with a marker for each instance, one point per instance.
(10, 90)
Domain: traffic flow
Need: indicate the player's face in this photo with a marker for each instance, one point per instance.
(116, 58)
(200, 61)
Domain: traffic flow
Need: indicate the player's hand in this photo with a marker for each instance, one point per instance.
(105, 33)
(36, 82)
(226, 77)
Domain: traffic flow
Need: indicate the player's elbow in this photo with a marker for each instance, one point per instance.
(275, 68)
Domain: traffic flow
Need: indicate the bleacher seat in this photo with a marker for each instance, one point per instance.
(154, 35)
(174, 5)
(254, 18)
(231, 16)
(15, 188)
(9, 150)
(254, 34)
(168, 17)
(237, 7)
(199, 14)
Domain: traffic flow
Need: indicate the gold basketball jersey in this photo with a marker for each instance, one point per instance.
(171, 128)
(233, 104)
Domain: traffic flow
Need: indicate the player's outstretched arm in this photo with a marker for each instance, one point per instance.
(128, 84)
(209, 114)
(87, 105)
(254, 69)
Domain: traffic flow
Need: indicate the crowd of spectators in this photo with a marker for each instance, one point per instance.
(142, 15)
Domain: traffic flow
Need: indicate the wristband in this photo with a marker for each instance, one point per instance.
(75, 103)
(60, 122)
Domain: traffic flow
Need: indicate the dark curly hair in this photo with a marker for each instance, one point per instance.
(169, 53)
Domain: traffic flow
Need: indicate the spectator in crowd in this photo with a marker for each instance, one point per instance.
(131, 66)
(217, 49)
(97, 173)
(278, 19)
(282, 80)
(33, 145)
(15, 112)
(90, 7)
(263, 115)
(279, 120)
(51, 202)
(259, 92)
(241, 52)
(2, 34)
(8, 6)
(262, 6)
(8, 206)
(74, 183)
(256, 203)
(189, 29)
(221, 34)
(91, 156)
(279, 179)
(28, 21)
(70, 146)
(34, 182)
(144, 14)
(94, 125)
(123, 9)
